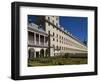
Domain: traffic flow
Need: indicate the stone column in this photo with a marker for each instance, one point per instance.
(44, 53)
(49, 43)
(44, 41)
(39, 54)
(34, 54)
(39, 39)
(34, 38)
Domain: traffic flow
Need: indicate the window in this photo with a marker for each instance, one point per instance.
(53, 21)
(49, 21)
(56, 47)
(48, 24)
(57, 40)
(48, 18)
(60, 41)
(53, 34)
(53, 46)
(62, 37)
(53, 39)
(56, 24)
(57, 35)
(56, 18)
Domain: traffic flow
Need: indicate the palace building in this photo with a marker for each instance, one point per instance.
(47, 38)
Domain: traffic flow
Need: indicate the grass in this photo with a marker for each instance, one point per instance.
(56, 61)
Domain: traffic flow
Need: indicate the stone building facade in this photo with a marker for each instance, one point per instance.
(48, 38)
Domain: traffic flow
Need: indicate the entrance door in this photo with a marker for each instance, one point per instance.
(31, 53)
(37, 54)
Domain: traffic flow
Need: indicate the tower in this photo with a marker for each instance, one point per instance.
(52, 25)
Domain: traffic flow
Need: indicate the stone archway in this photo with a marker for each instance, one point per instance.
(47, 52)
(42, 53)
(31, 53)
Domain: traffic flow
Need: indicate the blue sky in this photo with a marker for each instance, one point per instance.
(75, 25)
(31, 18)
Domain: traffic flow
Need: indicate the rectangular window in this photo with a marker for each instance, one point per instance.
(53, 21)
(49, 21)
(57, 35)
(57, 18)
(48, 18)
(53, 39)
(62, 48)
(53, 34)
(54, 47)
(56, 24)
(57, 40)
(48, 24)
(60, 41)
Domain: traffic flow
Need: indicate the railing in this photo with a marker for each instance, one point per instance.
(43, 44)
(37, 43)
(30, 42)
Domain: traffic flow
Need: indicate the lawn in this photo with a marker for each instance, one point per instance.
(56, 61)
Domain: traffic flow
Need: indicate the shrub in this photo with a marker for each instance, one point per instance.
(66, 55)
(43, 60)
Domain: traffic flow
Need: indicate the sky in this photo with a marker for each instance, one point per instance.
(77, 26)
(31, 18)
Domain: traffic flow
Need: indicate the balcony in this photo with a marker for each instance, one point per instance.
(37, 43)
(37, 40)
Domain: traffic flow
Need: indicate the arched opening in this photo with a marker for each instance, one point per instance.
(42, 53)
(31, 52)
(47, 53)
